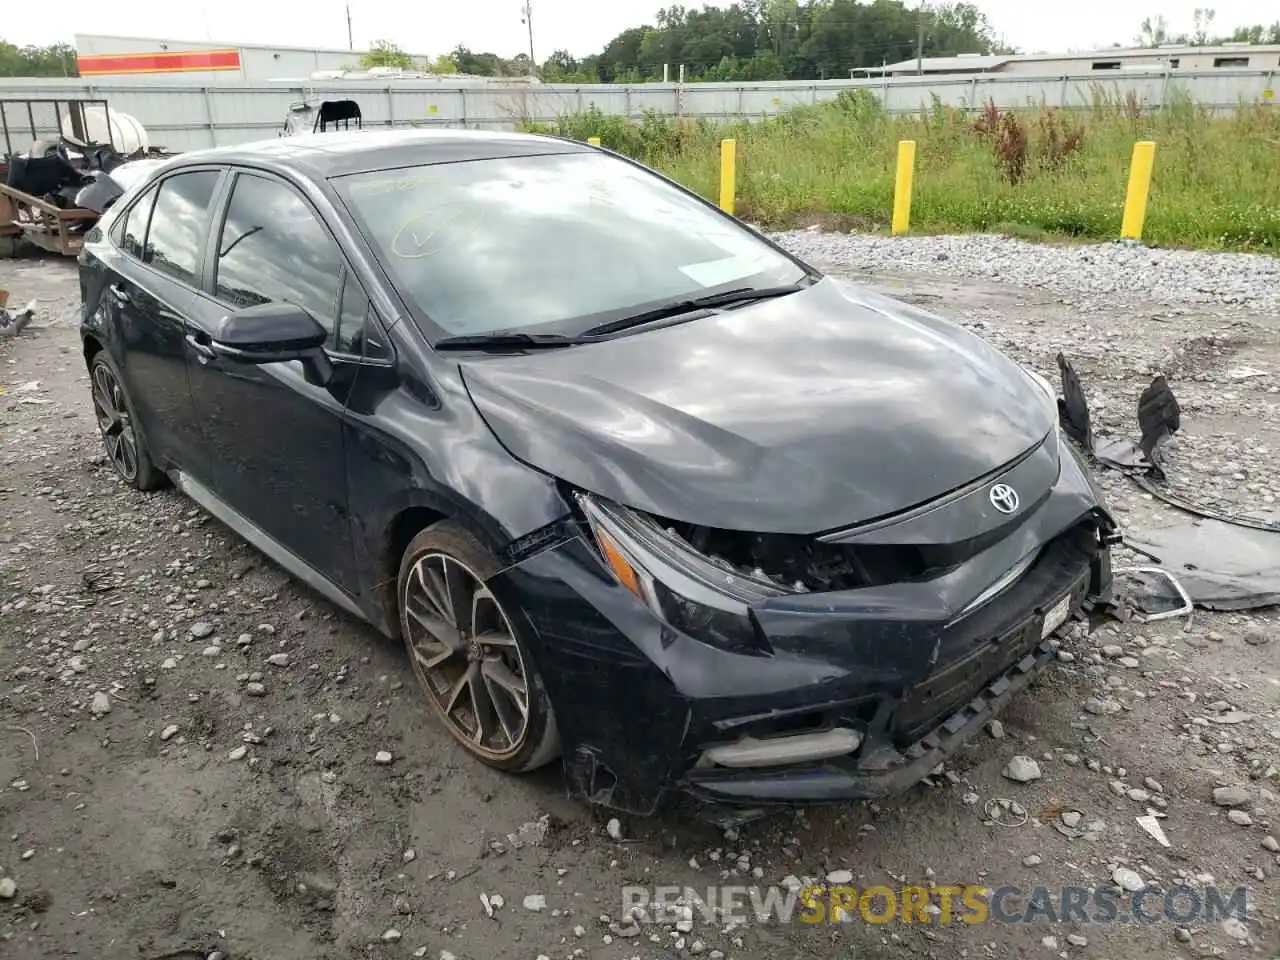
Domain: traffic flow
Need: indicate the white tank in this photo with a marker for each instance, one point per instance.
(126, 133)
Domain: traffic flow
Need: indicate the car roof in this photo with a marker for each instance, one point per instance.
(337, 153)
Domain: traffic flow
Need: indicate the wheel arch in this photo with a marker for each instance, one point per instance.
(404, 523)
(91, 347)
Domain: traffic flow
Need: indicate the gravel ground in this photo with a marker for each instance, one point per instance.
(189, 739)
(1174, 278)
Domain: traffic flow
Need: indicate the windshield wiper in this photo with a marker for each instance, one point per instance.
(508, 341)
(677, 307)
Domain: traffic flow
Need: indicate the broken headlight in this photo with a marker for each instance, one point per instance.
(696, 595)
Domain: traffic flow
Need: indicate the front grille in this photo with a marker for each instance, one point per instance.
(997, 634)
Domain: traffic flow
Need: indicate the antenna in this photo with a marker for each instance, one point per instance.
(350, 43)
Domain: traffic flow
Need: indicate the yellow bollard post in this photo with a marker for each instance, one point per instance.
(1135, 201)
(594, 141)
(902, 188)
(728, 174)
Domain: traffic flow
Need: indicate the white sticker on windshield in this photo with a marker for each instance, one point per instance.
(712, 273)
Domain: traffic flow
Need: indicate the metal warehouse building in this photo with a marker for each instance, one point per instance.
(1172, 57)
(142, 59)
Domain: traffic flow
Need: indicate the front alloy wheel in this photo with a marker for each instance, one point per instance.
(467, 653)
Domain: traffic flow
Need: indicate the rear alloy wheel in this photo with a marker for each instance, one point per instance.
(125, 445)
(468, 654)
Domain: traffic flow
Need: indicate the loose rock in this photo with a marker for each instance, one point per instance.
(1231, 796)
(1022, 770)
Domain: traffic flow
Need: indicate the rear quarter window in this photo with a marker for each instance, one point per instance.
(130, 232)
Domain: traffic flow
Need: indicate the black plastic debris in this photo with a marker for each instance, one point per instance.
(1220, 561)
(1159, 418)
(1073, 408)
(1220, 566)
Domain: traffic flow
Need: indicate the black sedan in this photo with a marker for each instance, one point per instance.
(636, 487)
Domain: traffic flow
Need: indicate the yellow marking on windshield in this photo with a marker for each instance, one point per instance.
(381, 187)
(415, 238)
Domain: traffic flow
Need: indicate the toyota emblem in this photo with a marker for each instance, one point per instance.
(1004, 498)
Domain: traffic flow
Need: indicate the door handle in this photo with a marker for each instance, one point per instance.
(119, 293)
(202, 350)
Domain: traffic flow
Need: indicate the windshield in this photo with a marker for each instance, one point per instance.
(549, 243)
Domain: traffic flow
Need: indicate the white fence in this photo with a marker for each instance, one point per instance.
(191, 116)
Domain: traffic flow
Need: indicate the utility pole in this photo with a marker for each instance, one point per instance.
(920, 42)
(527, 17)
(350, 43)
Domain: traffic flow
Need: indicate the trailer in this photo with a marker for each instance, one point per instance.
(48, 226)
(57, 169)
(22, 215)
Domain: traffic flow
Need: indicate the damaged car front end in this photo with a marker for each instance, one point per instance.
(755, 668)
(807, 538)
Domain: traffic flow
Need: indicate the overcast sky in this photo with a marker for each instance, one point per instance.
(580, 26)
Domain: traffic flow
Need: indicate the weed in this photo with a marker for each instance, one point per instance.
(1060, 172)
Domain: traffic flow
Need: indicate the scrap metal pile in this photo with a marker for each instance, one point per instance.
(73, 161)
(71, 175)
(1218, 561)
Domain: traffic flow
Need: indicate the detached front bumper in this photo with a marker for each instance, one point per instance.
(899, 674)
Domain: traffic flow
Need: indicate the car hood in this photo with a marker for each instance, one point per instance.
(801, 414)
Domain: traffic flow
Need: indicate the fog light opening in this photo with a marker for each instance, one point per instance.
(749, 752)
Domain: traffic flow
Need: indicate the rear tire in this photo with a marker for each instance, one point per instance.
(470, 654)
(122, 437)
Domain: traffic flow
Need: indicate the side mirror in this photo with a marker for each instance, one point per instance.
(274, 333)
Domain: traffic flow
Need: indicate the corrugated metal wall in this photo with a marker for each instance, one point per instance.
(188, 116)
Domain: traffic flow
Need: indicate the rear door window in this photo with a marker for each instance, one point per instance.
(179, 223)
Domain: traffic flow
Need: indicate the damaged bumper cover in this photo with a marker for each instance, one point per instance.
(850, 694)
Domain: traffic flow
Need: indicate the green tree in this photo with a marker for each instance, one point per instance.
(478, 64)
(56, 60)
(954, 28)
(384, 53)
(563, 67)
(788, 39)
(1258, 33)
(1154, 32)
(1203, 20)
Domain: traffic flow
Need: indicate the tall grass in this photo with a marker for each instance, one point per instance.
(1031, 171)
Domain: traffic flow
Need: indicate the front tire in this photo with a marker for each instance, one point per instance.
(469, 654)
(122, 436)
